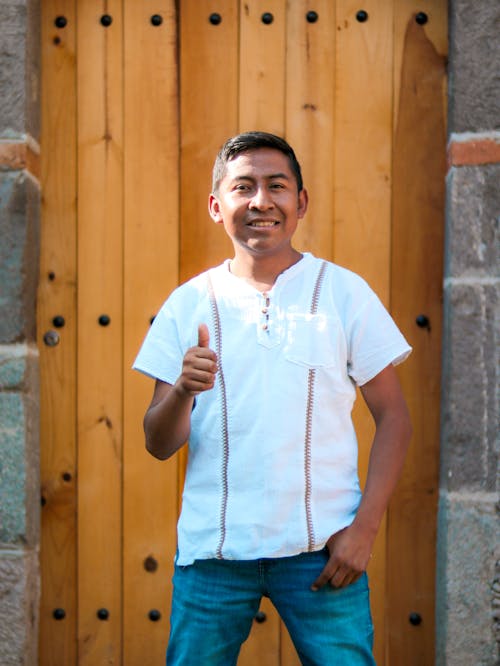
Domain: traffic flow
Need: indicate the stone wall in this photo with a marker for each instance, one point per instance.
(19, 248)
(468, 567)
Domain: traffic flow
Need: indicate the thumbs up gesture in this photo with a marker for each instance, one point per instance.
(203, 336)
(199, 366)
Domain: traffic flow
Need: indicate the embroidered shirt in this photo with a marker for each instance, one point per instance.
(272, 464)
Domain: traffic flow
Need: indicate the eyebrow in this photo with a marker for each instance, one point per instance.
(271, 176)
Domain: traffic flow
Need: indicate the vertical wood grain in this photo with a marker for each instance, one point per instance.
(100, 353)
(263, 644)
(151, 251)
(208, 66)
(310, 95)
(209, 116)
(262, 66)
(261, 106)
(57, 297)
(363, 134)
(416, 288)
(309, 122)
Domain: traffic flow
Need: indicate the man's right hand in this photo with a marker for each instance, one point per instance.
(199, 366)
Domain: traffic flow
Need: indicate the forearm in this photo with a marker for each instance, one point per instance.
(167, 422)
(350, 549)
(387, 457)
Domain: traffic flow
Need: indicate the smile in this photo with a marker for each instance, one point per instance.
(263, 223)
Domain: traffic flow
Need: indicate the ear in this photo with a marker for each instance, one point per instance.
(302, 203)
(214, 209)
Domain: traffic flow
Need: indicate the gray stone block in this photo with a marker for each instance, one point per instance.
(15, 366)
(474, 74)
(466, 580)
(19, 599)
(12, 468)
(19, 447)
(473, 221)
(19, 248)
(13, 16)
(469, 433)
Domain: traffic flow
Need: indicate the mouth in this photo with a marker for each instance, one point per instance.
(262, 224)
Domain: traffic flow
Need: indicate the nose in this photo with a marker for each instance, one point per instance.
(261, 200)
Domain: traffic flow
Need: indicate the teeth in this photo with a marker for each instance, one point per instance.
(263, 224)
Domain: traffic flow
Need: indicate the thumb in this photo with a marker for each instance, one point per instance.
(203, 336)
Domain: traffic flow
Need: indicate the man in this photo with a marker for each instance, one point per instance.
(256, 363)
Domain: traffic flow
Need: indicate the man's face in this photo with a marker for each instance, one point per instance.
(258, 202)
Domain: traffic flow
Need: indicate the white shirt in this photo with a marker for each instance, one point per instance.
(272, 465)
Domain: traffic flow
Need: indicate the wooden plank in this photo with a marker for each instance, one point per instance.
(435, 15)
(57, 296)
(262, 66)
(208, 106)
(363, 133)
(208, 116)
(416, 286)
(100, 354)
(261, 104)
(310, 87)
(263, 644)
(288, 653)
(151, 248)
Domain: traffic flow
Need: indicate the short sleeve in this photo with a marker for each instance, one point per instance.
(161, 354)
(374, 341)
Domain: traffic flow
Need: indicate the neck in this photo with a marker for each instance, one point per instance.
(262, 274)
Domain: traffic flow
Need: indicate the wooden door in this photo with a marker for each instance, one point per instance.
(137, 98)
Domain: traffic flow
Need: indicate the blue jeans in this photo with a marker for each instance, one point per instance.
(214, 603)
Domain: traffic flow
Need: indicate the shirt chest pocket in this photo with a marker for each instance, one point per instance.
(315, 341)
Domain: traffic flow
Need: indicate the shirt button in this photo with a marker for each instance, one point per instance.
(264, 327)
(264, 310)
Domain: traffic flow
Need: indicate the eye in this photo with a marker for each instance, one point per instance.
(277, 186)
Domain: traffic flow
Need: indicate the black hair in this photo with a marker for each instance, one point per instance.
(252, 141)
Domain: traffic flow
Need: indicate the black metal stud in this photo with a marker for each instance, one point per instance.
(154, 615)
(150, 564)
(103, 613)
(362, 16)
(415, 619)
(61, 22)
(152, 319)
(106, 20)
(104, 320)
(51, 338)
(66, 476)
(260, 617)
(43, 501)
(156, 19)
(58, 321)
(421, 18)
(422, 321)
(267, 18)
(58, 613)
(215, 18)
(51, 276)
(312, 17)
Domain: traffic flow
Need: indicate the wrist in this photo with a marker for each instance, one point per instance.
(181, 392)
(366, 523)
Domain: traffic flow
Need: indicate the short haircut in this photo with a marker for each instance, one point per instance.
(242, 143)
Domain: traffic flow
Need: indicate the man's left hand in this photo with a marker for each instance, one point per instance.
(350, 552)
